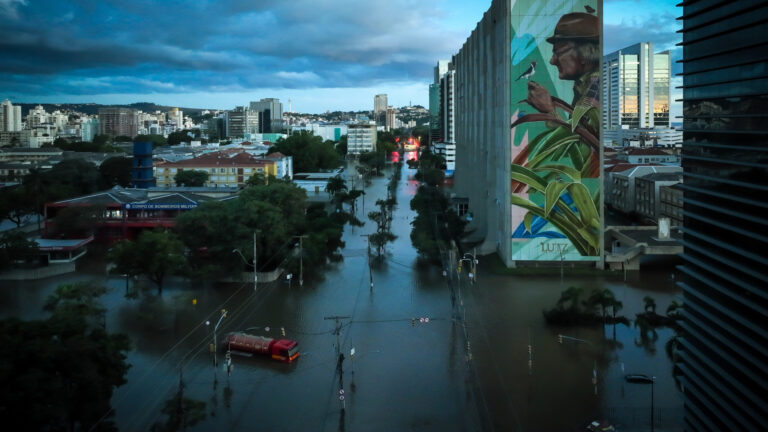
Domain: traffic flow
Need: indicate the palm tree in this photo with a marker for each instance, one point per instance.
(673, 310)
(335, 185)
(603, 298)
(571, 295)
(650, 304)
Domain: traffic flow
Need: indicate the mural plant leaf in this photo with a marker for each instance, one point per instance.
(552, 195)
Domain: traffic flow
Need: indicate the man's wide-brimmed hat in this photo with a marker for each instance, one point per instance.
(576, 26)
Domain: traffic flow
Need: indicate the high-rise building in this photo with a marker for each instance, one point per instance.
(176, 116)
(636, 87)
(434, 113)
(242, 121)
(270, 115)
(724, 347)
(89, 127)
(390, 124)
(118, 122)
(521, 55)
(380, 109)
(10, 117)
(448, 105)
(361, 138)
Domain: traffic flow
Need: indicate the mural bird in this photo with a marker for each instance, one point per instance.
(589, 9)
(528, 72)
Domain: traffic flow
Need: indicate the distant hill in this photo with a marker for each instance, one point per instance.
(92, 108)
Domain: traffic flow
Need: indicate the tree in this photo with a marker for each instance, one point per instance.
(178, 137)
(650, 304)
(155, 139)
(59, 373)
(191, 178)
(76, 222)
(60, 142)
(433, 176)
(155, 254)
(570, 295)
(256, 179)
(310, 153)
(14, 246)
(335, 185)
(603, 298)
(341, 146)
(16, 204)
(116, 171)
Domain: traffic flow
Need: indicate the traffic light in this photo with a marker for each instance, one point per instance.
(560, 338)
(459, 269)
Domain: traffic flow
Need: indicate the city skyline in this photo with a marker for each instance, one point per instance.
(172, 54)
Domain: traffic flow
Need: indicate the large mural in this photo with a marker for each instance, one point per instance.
(555, 126)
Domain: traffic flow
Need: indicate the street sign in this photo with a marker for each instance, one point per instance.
(341, 397)
(421, 320)
(426, 320)
(352, 352)
(341, 391)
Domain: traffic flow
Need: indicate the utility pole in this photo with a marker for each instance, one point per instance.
(337, 330)
(215, 348)
(255, 262)
(180, 407)
(301, 259)
(370, 272)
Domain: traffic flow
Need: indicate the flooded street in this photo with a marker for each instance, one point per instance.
(404, 375)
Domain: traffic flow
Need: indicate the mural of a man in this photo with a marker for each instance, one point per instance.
(576, 54)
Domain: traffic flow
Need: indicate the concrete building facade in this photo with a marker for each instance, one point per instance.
(361, 138)
(118, 122)
(10, 117)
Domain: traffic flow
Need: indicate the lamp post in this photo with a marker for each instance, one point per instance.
(643, 379)
(216, 327)
(255, 261)
(474, 262)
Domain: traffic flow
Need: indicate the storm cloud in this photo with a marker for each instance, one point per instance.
(83, 47)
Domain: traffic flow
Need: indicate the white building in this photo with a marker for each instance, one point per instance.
(332, 132)
(361, 138)
(10, 117)
(37, 117)
(448, 151)
(176, 117)
(380, 108)
(283, 163)
(89, 127)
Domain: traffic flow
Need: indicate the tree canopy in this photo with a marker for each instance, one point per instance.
(59, 373)
(310, 153)
(116, 171)
(191, 178)
(155, 254)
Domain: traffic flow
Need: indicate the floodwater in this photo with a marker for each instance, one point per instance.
(422, 376)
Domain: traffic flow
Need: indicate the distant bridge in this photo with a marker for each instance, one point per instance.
(625, 245)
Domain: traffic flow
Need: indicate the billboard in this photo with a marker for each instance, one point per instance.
(555, 52)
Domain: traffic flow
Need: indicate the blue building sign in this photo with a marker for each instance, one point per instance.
(145, 206)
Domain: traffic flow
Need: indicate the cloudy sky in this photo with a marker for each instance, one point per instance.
(322, 54)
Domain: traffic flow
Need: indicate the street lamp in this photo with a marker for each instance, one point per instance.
(643, 379)
(255, 256)
(216, 327)
(474, 263)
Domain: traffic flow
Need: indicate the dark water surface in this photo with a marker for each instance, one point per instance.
(403, 377)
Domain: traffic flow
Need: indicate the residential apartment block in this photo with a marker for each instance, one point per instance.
(361, 138)
(225, 169)
(118, 122)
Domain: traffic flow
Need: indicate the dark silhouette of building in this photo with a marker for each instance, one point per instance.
(723, 357)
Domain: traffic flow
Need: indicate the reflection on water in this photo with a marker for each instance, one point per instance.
(406, 376)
